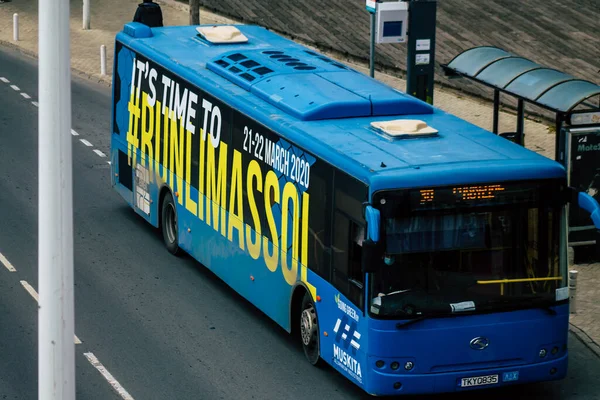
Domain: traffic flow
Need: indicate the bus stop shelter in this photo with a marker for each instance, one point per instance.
(574, 102)
(527, 81)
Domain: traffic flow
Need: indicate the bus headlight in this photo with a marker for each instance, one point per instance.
(409, 365)
(543, 353)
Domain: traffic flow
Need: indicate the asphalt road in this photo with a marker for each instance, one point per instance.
(164, 327)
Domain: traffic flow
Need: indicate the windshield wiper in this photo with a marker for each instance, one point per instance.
(401, 325)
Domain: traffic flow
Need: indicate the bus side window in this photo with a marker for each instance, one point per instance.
(348, 234)
(319, 220)
(346, 259)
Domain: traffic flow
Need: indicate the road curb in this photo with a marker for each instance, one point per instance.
(585, 339)
(82, 74)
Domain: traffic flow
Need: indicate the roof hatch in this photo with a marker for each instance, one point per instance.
(404, 128)
(219, 34)
(309, 86)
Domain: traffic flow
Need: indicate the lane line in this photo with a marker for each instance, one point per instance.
(36, 297)
(35, 103)
(7, 263)
(101, 154)
(15, 87)
(111, 380)
(74, 133)
(88, 144)
(31, 291)
(3, 79)
(25, 95)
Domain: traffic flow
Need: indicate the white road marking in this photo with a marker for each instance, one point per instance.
(111, 380)
(35, 296)
(15, 87)
(35, 103)
(3, 79)
(31, 290)
(101, 154)
(7, 263)
(74, 133)
(25, 95)
(88, 144)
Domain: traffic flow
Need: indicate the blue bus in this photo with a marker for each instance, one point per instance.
(409, 249)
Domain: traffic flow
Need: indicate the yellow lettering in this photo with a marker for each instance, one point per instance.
(215, 186)
(147, 128)
(201, 178)
(134, 115)
(190, 204)
(254, 172)
(236, 220)
(176, 156)
(165, 161)
(304, 244)
(289, 193)
(271, 196)
(157, 165)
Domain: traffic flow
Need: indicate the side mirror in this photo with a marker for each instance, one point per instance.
(372, 250)
(589, 204)
(372, 216)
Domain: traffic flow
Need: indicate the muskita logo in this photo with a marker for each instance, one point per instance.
(347, 363)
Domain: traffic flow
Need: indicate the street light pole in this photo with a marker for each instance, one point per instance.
(56, 320)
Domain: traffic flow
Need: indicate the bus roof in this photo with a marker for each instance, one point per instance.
(327, 108)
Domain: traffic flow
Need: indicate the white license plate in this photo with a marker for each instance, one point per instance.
(479, 381)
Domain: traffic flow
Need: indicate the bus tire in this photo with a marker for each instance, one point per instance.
(168, 224)
(309, 330)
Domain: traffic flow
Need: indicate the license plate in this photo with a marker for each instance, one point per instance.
(479, 381)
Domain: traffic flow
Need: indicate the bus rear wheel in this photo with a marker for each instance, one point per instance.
(309, 330)
(169, 224)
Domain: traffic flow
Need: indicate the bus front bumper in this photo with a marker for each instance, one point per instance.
(385, 384)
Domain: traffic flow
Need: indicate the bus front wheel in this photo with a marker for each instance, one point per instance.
(169, 224)
(309, 330)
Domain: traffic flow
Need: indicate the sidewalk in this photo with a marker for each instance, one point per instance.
(109, 16)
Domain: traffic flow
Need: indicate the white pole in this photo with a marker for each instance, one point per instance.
(573, 291)
(16, 27)
(103, 60)
(86, 14)
(56, 348)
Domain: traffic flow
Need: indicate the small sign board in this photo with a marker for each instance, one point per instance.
(392, 22)
(583, 163)
(423, 44)
(371, 6)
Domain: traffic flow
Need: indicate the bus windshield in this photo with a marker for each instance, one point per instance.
(451, 260)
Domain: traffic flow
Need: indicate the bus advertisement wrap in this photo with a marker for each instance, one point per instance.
(175, 125)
